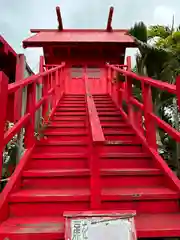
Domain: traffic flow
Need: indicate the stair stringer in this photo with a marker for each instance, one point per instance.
(14, 181)
(172, 179)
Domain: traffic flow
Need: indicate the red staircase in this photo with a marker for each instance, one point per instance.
(91, 157)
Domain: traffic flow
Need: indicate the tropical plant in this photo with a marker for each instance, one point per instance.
(158, 57)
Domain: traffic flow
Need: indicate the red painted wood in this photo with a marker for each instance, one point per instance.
(92, 154)
(129, 93)
(109, 27)
(171, 180)
(154, 83)
(178, 90)
(16, 128)
(150, 127)
(30, 108)
(4, 100)
(14, 180)
(41, 67)
(34, 78)
(20, 69)
(59, 18)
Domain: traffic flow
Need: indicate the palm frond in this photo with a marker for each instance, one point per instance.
(139, 31)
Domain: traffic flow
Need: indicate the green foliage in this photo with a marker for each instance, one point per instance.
(159, 61)
(159, 31)
(120, 77)
(139, 31)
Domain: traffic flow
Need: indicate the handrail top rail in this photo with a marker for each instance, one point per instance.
(13, 87)
(96, 129)
(152, 82)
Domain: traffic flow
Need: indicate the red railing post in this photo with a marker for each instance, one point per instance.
(95, 175)
(20, 67)
(39, 92)
(30, 108)
(45, 106)
(150, 128)
(129, 92)
(41, 67)
(96, 144)
(120, 93)
(111, 84)
(107, 79)
(3, 100)
(138, 121)
(178, 91)
(60, 82)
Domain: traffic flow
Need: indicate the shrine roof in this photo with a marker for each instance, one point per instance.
(5, 47)
(44, 37)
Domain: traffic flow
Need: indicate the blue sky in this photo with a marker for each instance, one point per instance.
(18, 16)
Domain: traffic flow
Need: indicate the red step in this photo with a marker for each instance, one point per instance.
(66, 114)
(48, 227)
(62, 128)
(65, 136)
(61, 147)
(68, 119)
(126, 160)
(122, 146)
(58, 161)
(132, 177)
(57, 177)
(50, 195)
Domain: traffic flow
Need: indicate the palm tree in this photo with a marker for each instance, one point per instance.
(160, 60)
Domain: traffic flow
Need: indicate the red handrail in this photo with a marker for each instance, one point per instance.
(97, 140)
(147, 83)
(152, 82)
(52, 84)
(144, 127)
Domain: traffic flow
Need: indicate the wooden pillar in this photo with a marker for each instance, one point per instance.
(30, 108)
(45, 107)
(95, 176)
(129, 92)
(39, 93)
(20, 69)
(178, 91)
(4, 100)
(150, 127)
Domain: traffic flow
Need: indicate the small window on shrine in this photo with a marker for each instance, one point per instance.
(77, 71)
(93, 71)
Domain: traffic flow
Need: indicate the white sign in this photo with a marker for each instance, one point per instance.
(106, 228)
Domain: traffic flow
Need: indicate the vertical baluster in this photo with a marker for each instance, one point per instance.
(178, 91)
(50, 98)
(129, 92)
(60, 82)
(95, 175)
(4, 100)
(138, 120)
(56, 88)
(19, 102)
(30, 108)
(20, 67)
(107, 79)
(44, 93)
(39, 91)
(63, 80)
(150, 127)
(119, 92)
(110, 82)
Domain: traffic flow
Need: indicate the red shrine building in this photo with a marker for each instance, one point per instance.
(87, 161)
(82, 50)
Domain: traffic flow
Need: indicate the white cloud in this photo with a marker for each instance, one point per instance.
(17, 17)
(163, 15)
